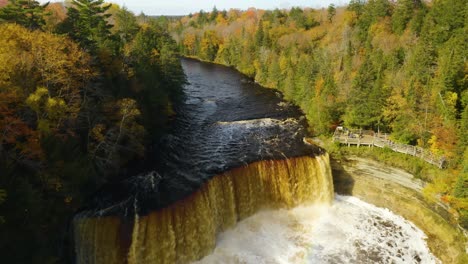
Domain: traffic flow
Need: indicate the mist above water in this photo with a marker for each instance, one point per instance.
(349, 231)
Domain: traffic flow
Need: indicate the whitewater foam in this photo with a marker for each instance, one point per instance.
(350, 231)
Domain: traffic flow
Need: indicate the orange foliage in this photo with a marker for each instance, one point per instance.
(189, 42)
(251, 13)
(16, 134)
(444, 139)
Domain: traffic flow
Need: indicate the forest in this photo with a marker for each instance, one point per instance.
(86, 88)
(394, 66)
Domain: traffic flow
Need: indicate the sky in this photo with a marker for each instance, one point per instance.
(185, 7)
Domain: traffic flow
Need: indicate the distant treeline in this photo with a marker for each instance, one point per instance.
(394, 66)
(84, 88)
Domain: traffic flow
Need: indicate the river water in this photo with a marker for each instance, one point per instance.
(227, 121)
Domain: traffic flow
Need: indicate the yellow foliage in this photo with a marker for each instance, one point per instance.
(221, 20)
(36, 99)
(350, 17)
(43, 126)
(48, 71)
(434, 145)
(451, 99)
(319, 86)
(283, 63)
(383, 36)
(128, 108)
(97, 132)
(189, 41)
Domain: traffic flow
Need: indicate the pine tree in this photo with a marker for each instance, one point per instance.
(214, 14)
(331, 12)
(87, 23)
(30, 14)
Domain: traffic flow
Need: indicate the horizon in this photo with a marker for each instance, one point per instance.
(186, 7)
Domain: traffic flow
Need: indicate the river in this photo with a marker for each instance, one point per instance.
(236, 154)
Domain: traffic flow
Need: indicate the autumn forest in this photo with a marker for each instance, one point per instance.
(84, 88)
(88, 88)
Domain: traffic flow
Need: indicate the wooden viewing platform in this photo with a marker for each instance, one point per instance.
(370, 138)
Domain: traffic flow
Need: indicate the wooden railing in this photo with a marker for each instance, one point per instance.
(371, 139)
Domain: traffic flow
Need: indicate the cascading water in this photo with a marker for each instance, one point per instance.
(349, 231)
(186, 230)
(236, 149)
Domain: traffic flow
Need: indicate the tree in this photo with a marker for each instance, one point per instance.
(87, 24)
(296, 14)
(202, 18)
(331, 12)
(368, 97)
(30, 14)
(259, 34)
(209, 45)
(402, 14)
(57, 14)
(126, 25)
(356, 6)
(42, 77)
(114, 145)
(213, 15)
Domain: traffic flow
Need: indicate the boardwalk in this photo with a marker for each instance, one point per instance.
(370, 138)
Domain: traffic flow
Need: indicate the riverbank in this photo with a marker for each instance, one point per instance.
(401, 192)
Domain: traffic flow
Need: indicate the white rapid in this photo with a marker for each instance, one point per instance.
(349, 231)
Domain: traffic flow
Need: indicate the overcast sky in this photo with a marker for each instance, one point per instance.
(184, 7)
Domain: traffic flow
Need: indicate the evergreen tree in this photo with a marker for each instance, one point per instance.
(202, 18)
(259, 35)
(214, 14)
(30, 14)
(87, 24)
(403, 13)
(126, 25)
(331, 12)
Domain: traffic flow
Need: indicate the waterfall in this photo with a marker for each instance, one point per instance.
(186, 230)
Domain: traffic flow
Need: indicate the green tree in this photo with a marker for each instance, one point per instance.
(87, 24)
(30, 14)
(403, 13)
(368, 96)
(356, 6)
(202, 18)
(214, 14)
(209, 45)
(331, 12)
(296, 14)
(126, 25)
(446, 17)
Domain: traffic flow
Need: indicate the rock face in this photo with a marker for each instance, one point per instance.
(398, 191)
